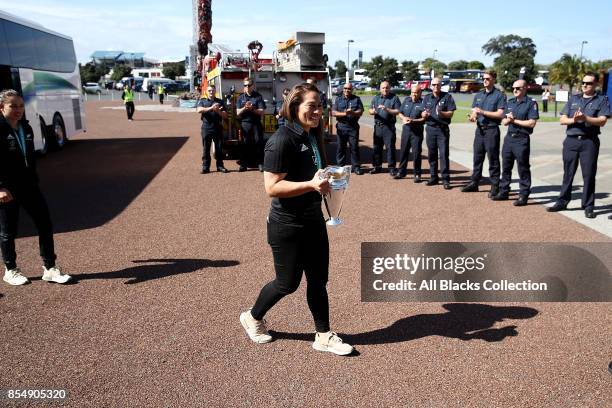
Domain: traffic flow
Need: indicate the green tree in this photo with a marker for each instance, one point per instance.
(600, 67)
(91, 72)
(174, 69)
(332, 71)
(340, 68)
(410, 70)
(430, 64)
(475, 65)
(120, 71)
(382, 69)
(458, 65)
(354, 64)
(568, 69)
(513, 52)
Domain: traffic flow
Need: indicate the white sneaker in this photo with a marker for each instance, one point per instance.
(14, 277)
(256, 329)
(54, 274)
(331, 342)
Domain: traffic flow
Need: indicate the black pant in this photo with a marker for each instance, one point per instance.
(208, 136)
(161, 98)
(544, 105)
(252, 151)
(384, 135)
(438, 138)
(33, 202)
(486, 144)
(585, 151)
(129, 108)
(348, 135)
(297, 249)
(516, 147)
(412, 140)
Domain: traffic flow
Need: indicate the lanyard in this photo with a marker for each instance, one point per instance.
(21, 142)
(315, 149)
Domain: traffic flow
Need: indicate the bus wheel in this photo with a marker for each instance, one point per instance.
(59, 131)
(45, 139)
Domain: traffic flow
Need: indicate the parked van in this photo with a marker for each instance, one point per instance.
(155, 82)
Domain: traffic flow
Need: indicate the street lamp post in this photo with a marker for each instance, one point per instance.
(582, 48)
(348, 60)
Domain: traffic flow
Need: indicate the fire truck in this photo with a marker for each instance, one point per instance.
(294, 61)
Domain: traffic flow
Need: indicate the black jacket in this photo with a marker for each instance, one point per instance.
(16, 171)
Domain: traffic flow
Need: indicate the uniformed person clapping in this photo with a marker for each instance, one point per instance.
(385, 107)
(584, 115)
(212, 111)
(521, 115)
(347, 110)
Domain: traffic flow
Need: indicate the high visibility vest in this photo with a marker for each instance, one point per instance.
(128, 95)
(160, 89)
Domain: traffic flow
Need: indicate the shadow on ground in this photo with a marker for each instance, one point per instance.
(92, 181)
(162, 268)
(464, 321)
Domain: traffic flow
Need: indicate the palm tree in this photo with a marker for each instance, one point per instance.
(569, 69)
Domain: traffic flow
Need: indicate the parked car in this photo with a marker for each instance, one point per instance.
(337, 89)
(92, 87)
(471, 86)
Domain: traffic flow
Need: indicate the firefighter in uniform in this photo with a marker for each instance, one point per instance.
(487, 112)
(439, 109)
(250, 108)
(212, 111)
(412, 133)
(348, 109)
(385, 106)
(584, 115)
(521, 117)
(128, 99)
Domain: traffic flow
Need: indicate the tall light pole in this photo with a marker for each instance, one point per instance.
(582, 48)
(348, 60)
(434, 54)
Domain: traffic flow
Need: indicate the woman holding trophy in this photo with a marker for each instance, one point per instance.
(293, 163)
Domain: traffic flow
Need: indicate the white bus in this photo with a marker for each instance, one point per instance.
(41, 65)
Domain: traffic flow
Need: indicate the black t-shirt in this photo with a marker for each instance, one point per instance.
(289, 151)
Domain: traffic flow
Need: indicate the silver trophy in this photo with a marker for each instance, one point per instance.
(338, 177)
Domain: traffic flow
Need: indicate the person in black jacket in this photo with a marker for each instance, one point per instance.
(19, 188)
(293, 161)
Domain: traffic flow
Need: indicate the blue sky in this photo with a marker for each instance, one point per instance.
(404, 30)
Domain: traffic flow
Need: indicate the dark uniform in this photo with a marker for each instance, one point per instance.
(438, 134)
(412, 136)
(278, 107)
(582, 145)
(486, 138)
(517, 145)
(18, 176)
(348, 130)
(212, 131)
(384, 130)
(252, 130)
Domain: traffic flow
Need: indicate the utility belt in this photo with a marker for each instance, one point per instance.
(485, 127)
(437, 125)
(516, 135)
(381, 123)
(583, 137)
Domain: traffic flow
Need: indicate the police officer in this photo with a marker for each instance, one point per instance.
(322, 94)
(212, 111)
(348, 109)
(128, 99)
(19, 189)
(521, 117)
(439, 109)
(487, 112)
(161, 91)
(250, 109)
(412, 133)
(385, 107)
(584, 114)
